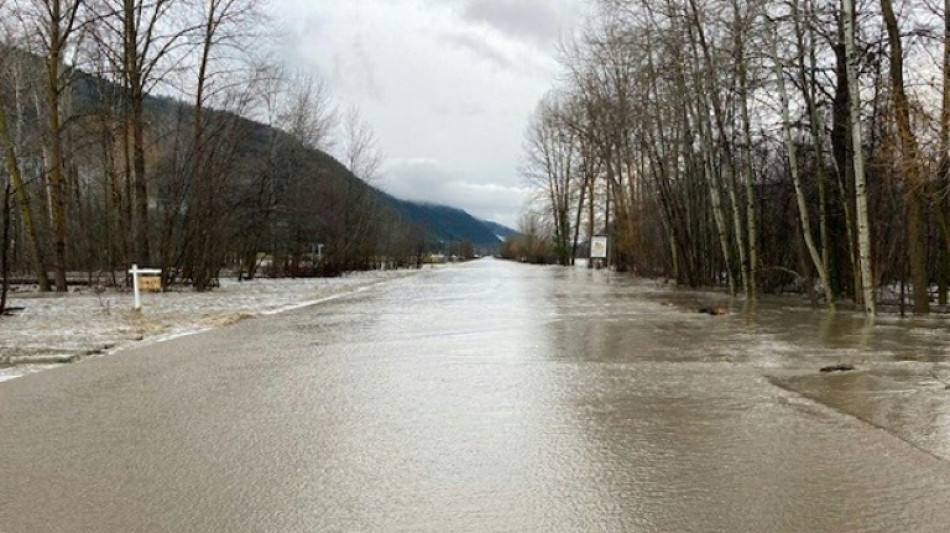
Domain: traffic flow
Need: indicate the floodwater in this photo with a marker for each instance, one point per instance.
(494, 396)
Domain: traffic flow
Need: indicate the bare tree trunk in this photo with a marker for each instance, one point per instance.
(752, 291)
(808, 85)
(709, 93)
(945, 109)
(590, 216)
(940, 199)
(582, 197)
(860, 185)
(142, 249)
(911, 165)
(5, 249)
(712, 184)
(54, 65)
(146, 40)
(200, 177)
(23, 199)
(796, 174)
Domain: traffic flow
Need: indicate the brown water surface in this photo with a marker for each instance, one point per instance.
(494, 397)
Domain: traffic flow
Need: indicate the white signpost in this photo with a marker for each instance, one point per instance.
(136, 273)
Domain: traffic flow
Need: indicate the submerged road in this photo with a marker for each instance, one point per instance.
(486, 397)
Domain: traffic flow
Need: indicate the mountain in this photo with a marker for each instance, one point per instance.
(438, 223)
(442, 223)
(219, 191)
(247, 191)
(502, 232)
(446, 223)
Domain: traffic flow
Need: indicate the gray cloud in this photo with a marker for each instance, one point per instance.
(479, 47)
(367, 69)
(460, 109)
(357, 69)
(425, 180)
(536, 21)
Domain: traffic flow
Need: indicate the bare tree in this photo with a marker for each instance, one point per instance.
(56, 24)
(138, 39)
(910, 155)
(806, 226)
(360, 150)
(551, 165)
(307, 111)
(222, 32)
(353, 232)
(14, 169)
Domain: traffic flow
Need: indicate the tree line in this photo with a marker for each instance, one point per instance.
(161, 132)
(755, 145)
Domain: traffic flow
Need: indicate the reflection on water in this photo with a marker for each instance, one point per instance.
(496, 397)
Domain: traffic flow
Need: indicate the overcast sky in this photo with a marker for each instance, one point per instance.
(448, 86)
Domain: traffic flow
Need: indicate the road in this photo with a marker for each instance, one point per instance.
(484, 397)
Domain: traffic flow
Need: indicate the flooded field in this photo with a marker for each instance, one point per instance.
(495, 397)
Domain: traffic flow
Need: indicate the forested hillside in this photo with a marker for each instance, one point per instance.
(221, 190)
(446, 224)
(500, 231)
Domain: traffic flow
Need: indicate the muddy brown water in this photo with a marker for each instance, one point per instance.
(494, 397)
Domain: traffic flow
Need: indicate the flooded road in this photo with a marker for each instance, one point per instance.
(494, 397)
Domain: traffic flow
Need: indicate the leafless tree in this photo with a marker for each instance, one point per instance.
(56, 26)
(138, 39)
(709, 121)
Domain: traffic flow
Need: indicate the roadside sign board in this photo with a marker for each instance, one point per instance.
(598, 247)
(150, 284)
(139, 275)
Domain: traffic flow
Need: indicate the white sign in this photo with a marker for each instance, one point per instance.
(136, 274)
(598, 247)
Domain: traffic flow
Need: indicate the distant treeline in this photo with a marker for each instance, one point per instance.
(752, 144)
